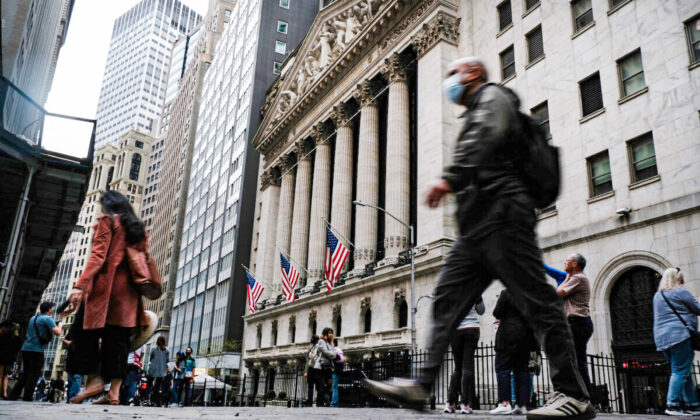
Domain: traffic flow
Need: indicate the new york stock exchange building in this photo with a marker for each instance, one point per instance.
(358, 114)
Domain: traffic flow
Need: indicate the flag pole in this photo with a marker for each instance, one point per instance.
(292, 260)
(336, 232)
(251, 274)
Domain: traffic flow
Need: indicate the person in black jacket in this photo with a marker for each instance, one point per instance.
(514, 341)
(496, 215)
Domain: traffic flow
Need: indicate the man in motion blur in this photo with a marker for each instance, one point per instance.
(496, 217)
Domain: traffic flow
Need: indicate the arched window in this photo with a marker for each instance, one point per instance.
(273, 334)
(312, 327)
(338, 325)
(258, 337)
(368, 320)
(403, 314)
(135, 167)
(110, 175)
(292, 330)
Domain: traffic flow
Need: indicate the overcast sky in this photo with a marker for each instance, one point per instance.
(76, 84)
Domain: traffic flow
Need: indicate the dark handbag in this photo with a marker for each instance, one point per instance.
(144, 273)
(694, 335)
(44, 339)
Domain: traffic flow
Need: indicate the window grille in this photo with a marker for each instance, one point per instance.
(507, 63)
(591, 94)
(535, 45)
(505, 16)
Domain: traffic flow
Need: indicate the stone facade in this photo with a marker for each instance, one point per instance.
(659, 230)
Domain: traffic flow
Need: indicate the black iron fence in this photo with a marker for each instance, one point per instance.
(629, 386)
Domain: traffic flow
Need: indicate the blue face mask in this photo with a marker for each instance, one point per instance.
(453, 88)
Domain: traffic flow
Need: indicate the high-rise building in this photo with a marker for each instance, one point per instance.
(210, 282)
(191, 58)
(134, 83)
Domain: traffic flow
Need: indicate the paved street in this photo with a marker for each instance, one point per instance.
(31, 411)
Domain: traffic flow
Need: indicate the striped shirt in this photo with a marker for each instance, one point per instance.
(578, 295)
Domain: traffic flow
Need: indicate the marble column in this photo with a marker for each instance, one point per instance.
(267, 228)
(302, 203)
(367, 176)
(320, 202)
(284, 217)
(341, 205)
(398, 159)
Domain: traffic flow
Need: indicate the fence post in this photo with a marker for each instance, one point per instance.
(296, 383)
(243, 389)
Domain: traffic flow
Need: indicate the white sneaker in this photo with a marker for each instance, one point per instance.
(693, 411)
(449, 409)
(562, 406)
(465, 409)
(519, 411)
(503, 410)
(675, 411)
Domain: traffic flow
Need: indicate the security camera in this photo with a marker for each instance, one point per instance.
(623, 211)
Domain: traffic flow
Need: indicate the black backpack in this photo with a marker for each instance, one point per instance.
(538, 163)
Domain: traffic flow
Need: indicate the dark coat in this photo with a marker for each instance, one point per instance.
(109, 297)
(514, 334)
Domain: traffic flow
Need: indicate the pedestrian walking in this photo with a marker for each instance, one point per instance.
(134, 363)
(496, 199)
(463, 345)
(166, 388)
(178, 377)
(157, 369)
(514, 342)
(335, 376)
(676, 335)
(10, 343)
(39, 333)
(311, 372)
(109, 298)
(575, 290)
(188, 381)
(324, 366)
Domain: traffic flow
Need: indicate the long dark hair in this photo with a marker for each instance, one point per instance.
(115, 203)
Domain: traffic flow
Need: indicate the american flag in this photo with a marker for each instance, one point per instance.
(255, 289)
(336, 254)
(290, 276)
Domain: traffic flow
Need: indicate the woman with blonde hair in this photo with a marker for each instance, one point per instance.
(675, 314)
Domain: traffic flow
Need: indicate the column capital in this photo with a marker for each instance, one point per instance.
(366, 91)
(320, 132)
(269, 177)
(395, 68)
(301, 148)
(341, 114)
(286, 162)
(442, 27)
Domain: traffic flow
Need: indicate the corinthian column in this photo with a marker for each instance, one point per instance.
(341, 206)
(398, 159)
(320, 202)
(367, 176)
(300, 219)
(284, 217)
(267, 227)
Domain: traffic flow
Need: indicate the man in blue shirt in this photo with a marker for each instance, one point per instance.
(40, 328)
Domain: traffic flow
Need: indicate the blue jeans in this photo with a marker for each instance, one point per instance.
(74, 381)
(188, 392)
(177, 390)
(129, 389)
(334, 388)
(681, 387)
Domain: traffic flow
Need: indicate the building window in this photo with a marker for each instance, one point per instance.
(599, 174)
(276, 67)
(135, 167)
(227, 13)
(583, 14)
(505, 17)
(541, 114)
(615, 3)
(591, 94)
(535, 45)
(138, 144)
(258, 337)
(280, 47)
(282, 27)
(692, 30)
(292, 331)
(368, 320)
(642, 158)
(631, 73)
(507, 63)
(338, 325)
(529, 4)
(284, 3)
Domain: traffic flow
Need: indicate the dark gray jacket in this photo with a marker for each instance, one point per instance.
(326, 355)
(482, 171)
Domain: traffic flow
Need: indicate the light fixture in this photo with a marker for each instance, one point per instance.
(623, 211)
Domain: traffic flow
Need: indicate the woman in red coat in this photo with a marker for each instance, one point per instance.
(111, 304)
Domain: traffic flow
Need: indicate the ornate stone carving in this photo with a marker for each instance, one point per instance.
(341, 114)
(399, 295)
(286, 162)
(301, 148)
(293, 320)
(366, 302)
(312, 315)
(366, 91)
(270, 177)
(274, 324)
(442, 27)
(320, 132)
(395, 68)
(336, 309)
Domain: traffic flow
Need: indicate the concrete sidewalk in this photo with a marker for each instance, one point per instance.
(31, 411)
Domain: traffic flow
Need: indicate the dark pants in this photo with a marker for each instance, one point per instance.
(310, 385)
(177, 390)
(32, 362)
(155, 385)
(108, 357)
(463, 344)
(129, 385)
(510, 254)
(514, 360)
(582, 329)
(323, 379)
(188, 392)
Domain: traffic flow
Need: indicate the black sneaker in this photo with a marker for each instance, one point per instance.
(403, 392)
(562, 406)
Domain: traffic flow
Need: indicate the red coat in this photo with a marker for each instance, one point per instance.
(109, 297)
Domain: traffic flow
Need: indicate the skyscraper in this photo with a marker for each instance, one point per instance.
(210, 283)
(134, 83)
